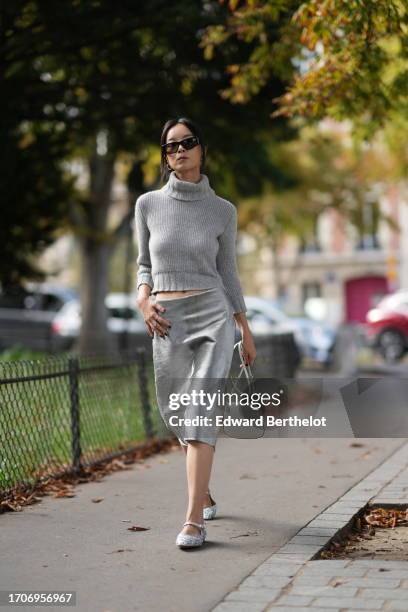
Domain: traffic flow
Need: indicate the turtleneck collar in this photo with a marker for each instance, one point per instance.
(187, 190)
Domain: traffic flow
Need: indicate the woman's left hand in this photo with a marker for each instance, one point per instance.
(248, 346)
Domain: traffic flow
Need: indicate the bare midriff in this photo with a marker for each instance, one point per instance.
(175, 294)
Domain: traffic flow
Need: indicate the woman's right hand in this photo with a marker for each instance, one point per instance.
(154, 322)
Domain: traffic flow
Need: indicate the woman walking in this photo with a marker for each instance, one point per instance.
(190, 296)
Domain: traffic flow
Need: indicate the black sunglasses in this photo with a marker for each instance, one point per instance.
(188, 143)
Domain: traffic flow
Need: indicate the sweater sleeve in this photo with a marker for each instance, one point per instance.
(227, 266)
(144, 274)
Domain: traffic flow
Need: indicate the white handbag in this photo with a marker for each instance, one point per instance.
(243, 384)
(245, 369)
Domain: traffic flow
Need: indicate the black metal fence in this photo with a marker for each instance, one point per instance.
(59, 414)
(63, 413)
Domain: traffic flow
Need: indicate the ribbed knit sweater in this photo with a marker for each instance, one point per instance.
(186, 237)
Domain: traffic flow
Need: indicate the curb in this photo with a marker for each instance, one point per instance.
(270, 580)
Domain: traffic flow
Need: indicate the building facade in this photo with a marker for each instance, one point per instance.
(348, 271)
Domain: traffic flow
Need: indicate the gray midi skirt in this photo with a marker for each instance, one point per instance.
(195, 356)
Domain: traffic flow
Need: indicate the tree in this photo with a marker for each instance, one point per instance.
(323, 172)
(35, 201)
(109, 90)
(350, 57)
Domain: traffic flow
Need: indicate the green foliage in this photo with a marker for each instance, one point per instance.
(326, 172)
(350, 57)
(17, 352)
(73, 71)
(35, 196)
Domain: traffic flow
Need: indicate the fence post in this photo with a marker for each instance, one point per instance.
(144, 392)
(73, 368)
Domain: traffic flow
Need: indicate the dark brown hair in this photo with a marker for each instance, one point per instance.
(193, 127)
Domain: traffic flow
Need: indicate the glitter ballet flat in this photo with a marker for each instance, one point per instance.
(209, 512)
(186, 540)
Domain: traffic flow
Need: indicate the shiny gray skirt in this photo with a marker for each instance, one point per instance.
(195, 357)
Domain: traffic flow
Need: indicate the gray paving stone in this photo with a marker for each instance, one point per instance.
(310, 539)
(362, 587)
(310, 526)
(396, 605)
(326, 520)
(385, 593)
(257, 595)
(324, 531)
(269, 582)
(300, 548)
(347, 503)
(308, 551)
(372, 489)
(340, 513)
(312, 580)
(278, 563)
(273, 559)
(389, 500)
(338, 572)
(297, 558)
(356, 498)
(294, 600)
(333, 562)
(377, 563)
(333, 516)
(277, 608)
(349, 603)
(403, 575)
(237, 606)
(323, 590)
(337, 524)
(270, 569)
(384, 583)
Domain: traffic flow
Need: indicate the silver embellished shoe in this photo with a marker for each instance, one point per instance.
(186, 540)
(209, 512)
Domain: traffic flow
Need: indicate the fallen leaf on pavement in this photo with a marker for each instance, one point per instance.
(137, 528)
(120, 550)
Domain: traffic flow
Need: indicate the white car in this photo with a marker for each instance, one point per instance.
(123, 318)
(314, 340)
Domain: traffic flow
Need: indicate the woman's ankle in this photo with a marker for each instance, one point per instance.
(195, 518)
(208, 500)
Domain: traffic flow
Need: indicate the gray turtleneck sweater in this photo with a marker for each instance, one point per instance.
(186, 237)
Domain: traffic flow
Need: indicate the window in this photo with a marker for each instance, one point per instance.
(366, 220)
(310, 243)
(311, 290)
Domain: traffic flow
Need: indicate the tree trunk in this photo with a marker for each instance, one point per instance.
(95, 245)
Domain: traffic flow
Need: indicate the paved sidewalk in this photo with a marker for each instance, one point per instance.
(291, 580)
(266, 489)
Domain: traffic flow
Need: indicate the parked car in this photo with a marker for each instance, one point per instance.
(26, 314)
(124, 321)
(315, 341)
(386, 327)
(47, 318)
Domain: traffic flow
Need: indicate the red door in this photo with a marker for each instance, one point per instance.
(362, 294)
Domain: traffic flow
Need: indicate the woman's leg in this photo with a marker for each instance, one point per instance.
(207, 499)
(199, 458)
